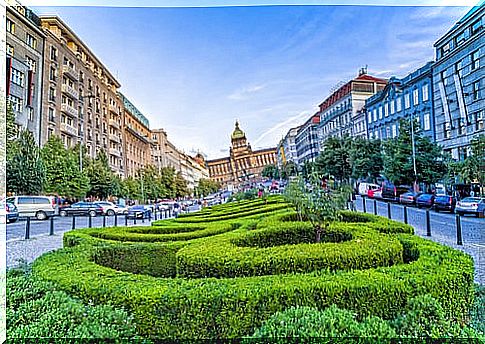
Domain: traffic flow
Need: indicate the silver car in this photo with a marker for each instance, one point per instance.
(41, 207)
(469, 205)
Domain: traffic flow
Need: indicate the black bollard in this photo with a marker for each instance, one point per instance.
(364, 204)
(27, 228)
(155, 214)
(375, 207)
(405, 209)
(126, 220)
(143, 218)
(51, 227)
(104, 220)
(73, 222)
(90, 221)
(428, 224)
(134, 219)
(116, 220)
(459, 239)
(389, 211)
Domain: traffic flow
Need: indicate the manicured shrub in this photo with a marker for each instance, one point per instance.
(36, 309)
(306, 322)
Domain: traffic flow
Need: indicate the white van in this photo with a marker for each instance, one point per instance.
(364, 187)
(39, 206)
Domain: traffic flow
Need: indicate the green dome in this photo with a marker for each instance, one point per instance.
(238, 133)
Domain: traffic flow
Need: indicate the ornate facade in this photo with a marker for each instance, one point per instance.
(243, 164)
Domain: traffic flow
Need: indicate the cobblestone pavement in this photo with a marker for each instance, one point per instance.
(443, 230)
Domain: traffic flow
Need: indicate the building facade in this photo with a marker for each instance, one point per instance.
(286, 150)
(459, 83)
(342, 112)
(25, 47)
(307, 141)
(164, 153)
(243, 165)
(193, 169)
(136, 138)
(410, 97)
(81, 103)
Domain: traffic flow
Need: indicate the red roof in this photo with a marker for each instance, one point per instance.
(370, 78)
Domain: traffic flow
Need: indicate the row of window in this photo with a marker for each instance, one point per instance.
(29, 39)
(458, 40)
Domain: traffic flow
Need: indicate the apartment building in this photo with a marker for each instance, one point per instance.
(307, 142)
(80, 95)
(286, 149)
(410, 97)
(164, 153)
(459, 83)
(342, 112)
(136, 137)
(25, 46)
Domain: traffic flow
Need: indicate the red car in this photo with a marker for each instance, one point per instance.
(371, 193)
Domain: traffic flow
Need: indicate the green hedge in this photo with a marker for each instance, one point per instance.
(369, 269)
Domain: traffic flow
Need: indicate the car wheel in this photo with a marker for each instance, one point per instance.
(63, 213)
(92, 213)
(110, 212)
(40, 215)
(12, 220)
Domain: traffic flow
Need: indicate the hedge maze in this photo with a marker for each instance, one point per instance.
(221, 272)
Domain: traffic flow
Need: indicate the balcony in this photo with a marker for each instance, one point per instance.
(69, 129)
(69, 110)
(114, 138)
(113, 108)
(70, 72)
(114, 151)
(70, 91)
(114, 123)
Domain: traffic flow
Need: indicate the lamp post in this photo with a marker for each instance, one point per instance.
(414, 153)
(81, 134)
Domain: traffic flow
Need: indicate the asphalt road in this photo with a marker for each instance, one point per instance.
(16, 231)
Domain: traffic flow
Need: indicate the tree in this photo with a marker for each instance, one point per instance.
(473, 167)
(289, 169)
(365, 158)
(101, 178)
(398, 157)
(334, 160)
(270, 171)
(63, 176)
(207, 186)
(11, 131)
(25, 168)
(180, 185)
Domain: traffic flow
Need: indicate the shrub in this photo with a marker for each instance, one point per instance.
(37, 309)
(306, 322)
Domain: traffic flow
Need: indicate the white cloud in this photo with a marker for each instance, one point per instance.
(245, 92)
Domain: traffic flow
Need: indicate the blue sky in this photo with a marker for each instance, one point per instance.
(194, 71)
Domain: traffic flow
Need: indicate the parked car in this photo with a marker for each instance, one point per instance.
(139, 212)
(392, 193)
(364, 188)
(444, 202)
(111, 209)
(409, 198)
(11, 212)
(425, 200)
(82, 209)
(469, 205)
(39, 206)
(371, 193)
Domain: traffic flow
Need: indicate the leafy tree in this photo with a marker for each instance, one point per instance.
(473, 167)
(289, 169)
(270, 171)
(63, 175)
(207, 187)
(11, 131)
(307, 169)
(25, 168)
(180, 185)
(334, 160)
(101, 178)
(131, 188)
(365, 158)
(398, 160)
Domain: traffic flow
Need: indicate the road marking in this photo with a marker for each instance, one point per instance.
(478, 245)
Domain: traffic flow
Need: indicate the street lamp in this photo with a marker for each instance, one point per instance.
(81, 134)
(414, 152)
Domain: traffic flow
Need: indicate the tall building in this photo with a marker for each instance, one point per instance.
(136, 138)
(342, 112)
(164, 152)
(25, 47)
(307, 140)
(243, 165)
(286, 150)
(192, 169)
(459, 82)
(81, 103)
(410, 97)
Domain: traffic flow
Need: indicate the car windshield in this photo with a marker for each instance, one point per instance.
(443, 198)
(104, 203)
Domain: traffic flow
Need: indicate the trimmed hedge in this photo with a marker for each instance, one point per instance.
(368, 269)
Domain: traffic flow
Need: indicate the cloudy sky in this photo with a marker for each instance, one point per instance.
(194, 71)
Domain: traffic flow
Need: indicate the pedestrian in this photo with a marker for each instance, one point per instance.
(176, 209)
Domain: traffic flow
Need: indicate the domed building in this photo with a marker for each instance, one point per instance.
(243, 165)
